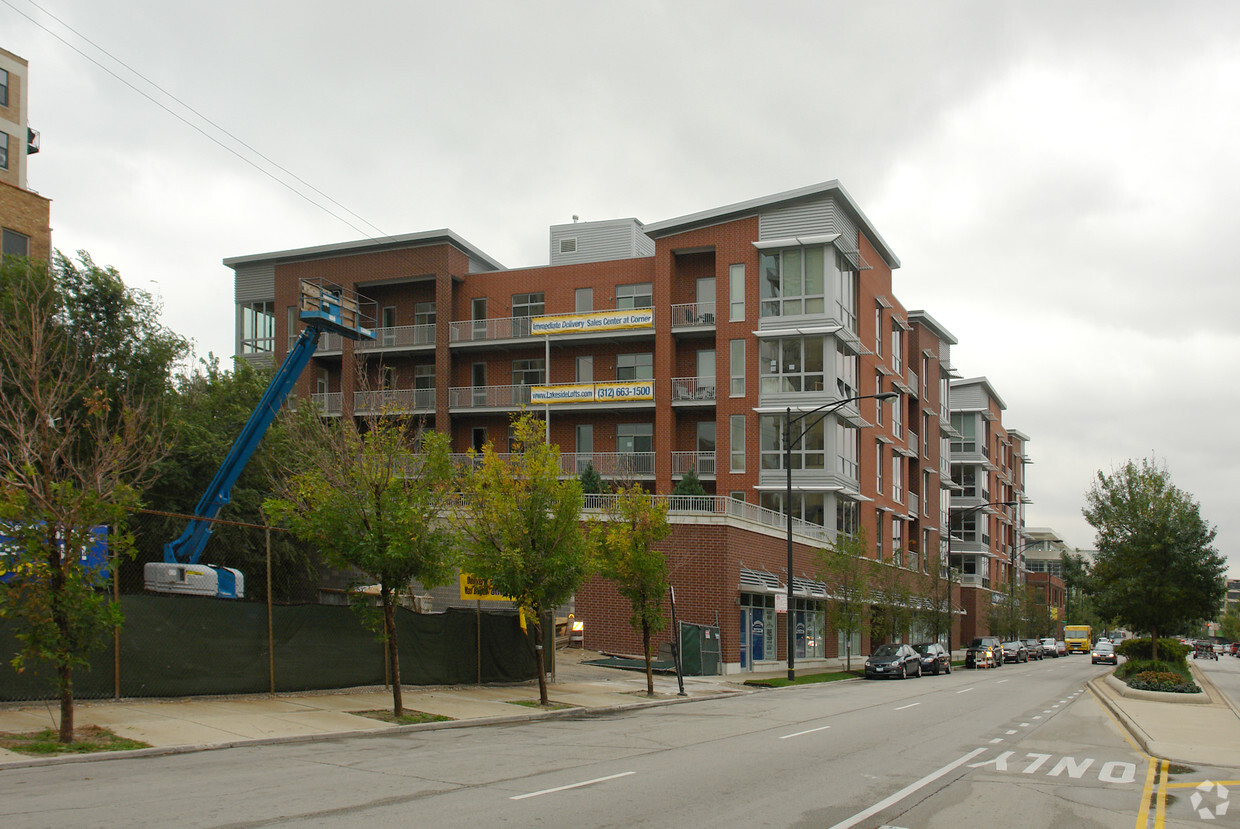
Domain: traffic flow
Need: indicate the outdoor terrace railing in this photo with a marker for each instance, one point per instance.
(393, 401)
(700, 389)
(693, 314)
(400, 336)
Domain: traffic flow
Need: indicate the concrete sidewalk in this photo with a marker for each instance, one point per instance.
(1169, 727)
(174, 726)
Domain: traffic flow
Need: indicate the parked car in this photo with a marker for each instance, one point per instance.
(986, 649)
(893, 660)
(1104, 652)
(1035, 649)
(934, 658)
(1015, 651)
(1234, 648)
(1062, 647)
(1049, 648)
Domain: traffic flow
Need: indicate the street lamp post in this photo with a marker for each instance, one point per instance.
(963, 512)
(826, 409)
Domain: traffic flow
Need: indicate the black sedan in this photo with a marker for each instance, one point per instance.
(893, 660)
(1015, 651)
(1035, 649)
(934, 658)
(1103, 652)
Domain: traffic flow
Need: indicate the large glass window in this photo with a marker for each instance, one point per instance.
(634, 366)
(897, 347)
(810, 628)
(424, 376)
(4, 88)
(847, 516)
(879, 465)
(736, 293)
(897, 415)
(736, 367)
(965, 423)
(736, 442)
(793, 281)
(528, 372)
(897, 477)
(846, 292)
(637, 441)
(897, 542)
(583, 300)
(966, 478)
(845, 372)
(13, 243)
(848, 450)
(637, 295)
(525, 306)
(758, 630)
(4, 150)
(810, 507)
(792, 364)
(258, 328)
(810, 451)
(585, 368)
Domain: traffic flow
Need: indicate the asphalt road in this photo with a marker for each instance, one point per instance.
(1023, 745)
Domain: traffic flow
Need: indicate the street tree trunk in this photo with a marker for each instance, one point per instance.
(646, 651)
(538, 653)
(389, 632)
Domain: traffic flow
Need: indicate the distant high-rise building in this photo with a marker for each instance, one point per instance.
(25, 216)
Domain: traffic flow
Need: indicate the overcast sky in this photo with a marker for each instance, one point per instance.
(1053, 176)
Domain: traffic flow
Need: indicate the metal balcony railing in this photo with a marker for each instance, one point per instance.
(400, 336)
(466, 397)
(393, 401)
(700, 389)
(701, 464)
(693, 314)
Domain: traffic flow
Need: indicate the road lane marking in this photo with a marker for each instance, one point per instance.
(811, 731)
(1143, 814)
(572, 785)
(1024, 725)
(907, 790)
(1010, 731)
(1160, 810)
(996, 740)
(965, 691)
(1000, 681)
(910, 705)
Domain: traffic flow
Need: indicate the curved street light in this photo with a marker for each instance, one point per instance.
(966, 511)
(826, 409)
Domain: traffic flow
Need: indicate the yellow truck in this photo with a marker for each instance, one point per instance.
(1079, 638)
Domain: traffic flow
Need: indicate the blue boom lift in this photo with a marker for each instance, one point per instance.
(323, 307)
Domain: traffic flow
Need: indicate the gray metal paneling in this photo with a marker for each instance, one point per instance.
(805, 219)
(969, 397)
(255, 283)
(600, 242)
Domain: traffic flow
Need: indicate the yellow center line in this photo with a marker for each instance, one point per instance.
(1143, 814)
(1160, 813)
(1195, 783)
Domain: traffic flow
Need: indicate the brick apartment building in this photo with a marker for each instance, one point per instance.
(685, 345)
(25, 216)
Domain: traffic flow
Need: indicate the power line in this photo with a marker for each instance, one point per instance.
(197, 128)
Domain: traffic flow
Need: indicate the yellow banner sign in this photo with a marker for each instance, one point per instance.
(475, 588)
(589, 323)
(617, 392)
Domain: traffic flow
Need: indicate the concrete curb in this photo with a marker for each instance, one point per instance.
(574, 712)
(1123, 690)
(1103, 695)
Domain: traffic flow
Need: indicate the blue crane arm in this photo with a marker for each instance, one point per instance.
(187, 548)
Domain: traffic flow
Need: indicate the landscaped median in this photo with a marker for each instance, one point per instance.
(1166, 679)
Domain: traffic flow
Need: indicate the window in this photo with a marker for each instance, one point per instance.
(878, 329)
(637, 441)
(424, 376)
(525, 306)
(568, 245)
(258, 327)
(705, 447)
(794, 364)
(736, 363)
(966, 424)
(897, 477)
(897, 347)
(878, 404)
(736, 442)
(13, 243)
(846, 293)
(879, 466)
(387, 378)
(583, 299)
(897, 415)
(635, 366)
(4, 151)
(848, 449)
(585, 446)
(736, 293)
(810, 628)
(424, 313)
(637, 295)
(322, 382)
(4, 87)
(845, 372)
(878, 541)
(809, 507)
(793, 281)
(528, 372)
(585, 369)
(966, 478)
(847, 516)
(809, 453)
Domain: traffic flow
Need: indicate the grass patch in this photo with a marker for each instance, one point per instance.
(86, 740)
(807, 679)
(533, 703)
(407, 718)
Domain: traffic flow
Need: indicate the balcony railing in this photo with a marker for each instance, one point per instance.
(914, 504)
(393, 401)
(400, 336)
(329, 402)
(467, 397)
(510, 328)
(694, 314)
(701, 464)
(699, 389)
(723, 505)
(328, 341)
(607, 464)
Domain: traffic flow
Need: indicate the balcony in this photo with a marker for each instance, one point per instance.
(400, 337)
(693, 390)
(479, 332)
(329, 343)
(622, 465)
(701, 464)
(394, 401)
(328, 402)
(489, 397)
(693, 315)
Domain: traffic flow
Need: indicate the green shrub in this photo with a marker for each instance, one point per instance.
(1169, 650)
(1139, 666)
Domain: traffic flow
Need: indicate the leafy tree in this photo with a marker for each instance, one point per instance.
(367, 503)
(936, 613)
(893, 599)
(520, 526)
(1156, 568)
(689, 484)
(76, 441)
(842, 565)
(1229, 625)
(625, 543)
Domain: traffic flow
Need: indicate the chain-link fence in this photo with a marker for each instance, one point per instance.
(292, 630)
